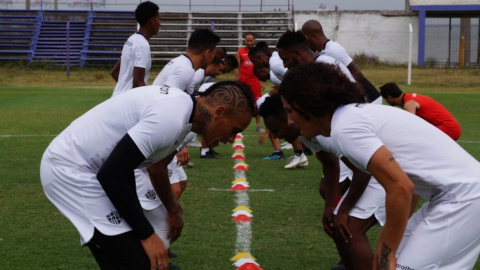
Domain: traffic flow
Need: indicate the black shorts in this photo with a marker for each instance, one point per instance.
(118, 252)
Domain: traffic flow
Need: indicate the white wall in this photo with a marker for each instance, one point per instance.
(372, 33)
(443, 2)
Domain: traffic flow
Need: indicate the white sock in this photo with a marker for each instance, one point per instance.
(204, 151)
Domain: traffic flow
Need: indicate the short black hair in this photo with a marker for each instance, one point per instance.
(227, 92)
(145, 11)
(319, 89)
(272, 106)
(390, 89)
(201, 40)
(292, 40)
(216, 60)
(262, 45)
(253, 51)
(232, 59)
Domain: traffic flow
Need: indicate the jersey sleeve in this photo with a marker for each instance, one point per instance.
(338, 52)
(161, 124)
(181, 78)
(142, 58)
(354, 136)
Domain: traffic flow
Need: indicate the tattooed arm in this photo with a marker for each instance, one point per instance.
(399, 190)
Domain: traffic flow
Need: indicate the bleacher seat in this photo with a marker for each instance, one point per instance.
(17, 29)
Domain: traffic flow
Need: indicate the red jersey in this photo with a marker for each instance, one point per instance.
(434, 113)
(246, 73)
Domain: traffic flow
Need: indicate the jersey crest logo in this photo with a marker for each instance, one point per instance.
(151, 195)
(114, 217)
(170, 172)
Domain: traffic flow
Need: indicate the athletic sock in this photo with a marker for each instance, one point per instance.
(204, 151)
(298, 152)
(277, 150)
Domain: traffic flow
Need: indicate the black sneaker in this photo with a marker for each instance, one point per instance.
(173, 266)
(338, 266)
(209, 155)
(275, 156)
(171, 254)
(307, 151)
(213, 151)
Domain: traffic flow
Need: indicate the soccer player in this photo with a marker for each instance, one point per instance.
(361, 207)
(133, 68)
(179, 71)
(407, 156)
(201, 76)
(293, 50)
(423, 106)
(245, 72)
(264, 60)
(318, 42)
(230, 63)
(87, 171)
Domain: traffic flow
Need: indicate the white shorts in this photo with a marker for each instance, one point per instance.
(79, 196)
(146, 193)
(371, 203)
(159, 220)
(447, 236)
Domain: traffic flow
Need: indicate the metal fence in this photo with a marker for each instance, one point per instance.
(451, 42)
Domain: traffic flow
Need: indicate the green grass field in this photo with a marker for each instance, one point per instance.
(287, 231)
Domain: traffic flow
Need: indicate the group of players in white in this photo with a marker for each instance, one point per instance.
(116, 171)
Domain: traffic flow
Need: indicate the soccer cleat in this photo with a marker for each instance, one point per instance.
(188, 165)
(307, 151)
(297, 161)
(207, 155)
(260, 129)
(171, 254)
(213, 151)
(194, 143)
(275, 156)
(286, 145)
(173, 267)
(338, 266)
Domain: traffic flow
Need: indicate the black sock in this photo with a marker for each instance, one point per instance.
(298, 152)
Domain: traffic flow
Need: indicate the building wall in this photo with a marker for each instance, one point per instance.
(384, 34)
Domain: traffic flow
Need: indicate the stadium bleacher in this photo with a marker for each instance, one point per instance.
(18, 29)
(96, 37)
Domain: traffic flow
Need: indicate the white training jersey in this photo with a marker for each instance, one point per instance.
(178, 73)
(323, 58)
(198, 79)
(261, 100)
(276, 66)
(441, 170)
(156, 118)
(274, 79)
(337, 51)
(321, 143)
(135, 53)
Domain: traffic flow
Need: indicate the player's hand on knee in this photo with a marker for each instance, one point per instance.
(341, 226)
(175, 224)
(327, 221)
(183, 157)
(156, 252)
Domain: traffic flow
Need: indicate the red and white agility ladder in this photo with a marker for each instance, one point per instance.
(242, 215)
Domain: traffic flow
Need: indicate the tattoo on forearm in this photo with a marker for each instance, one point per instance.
(384, 262)
(391, 159)
(203, 116)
